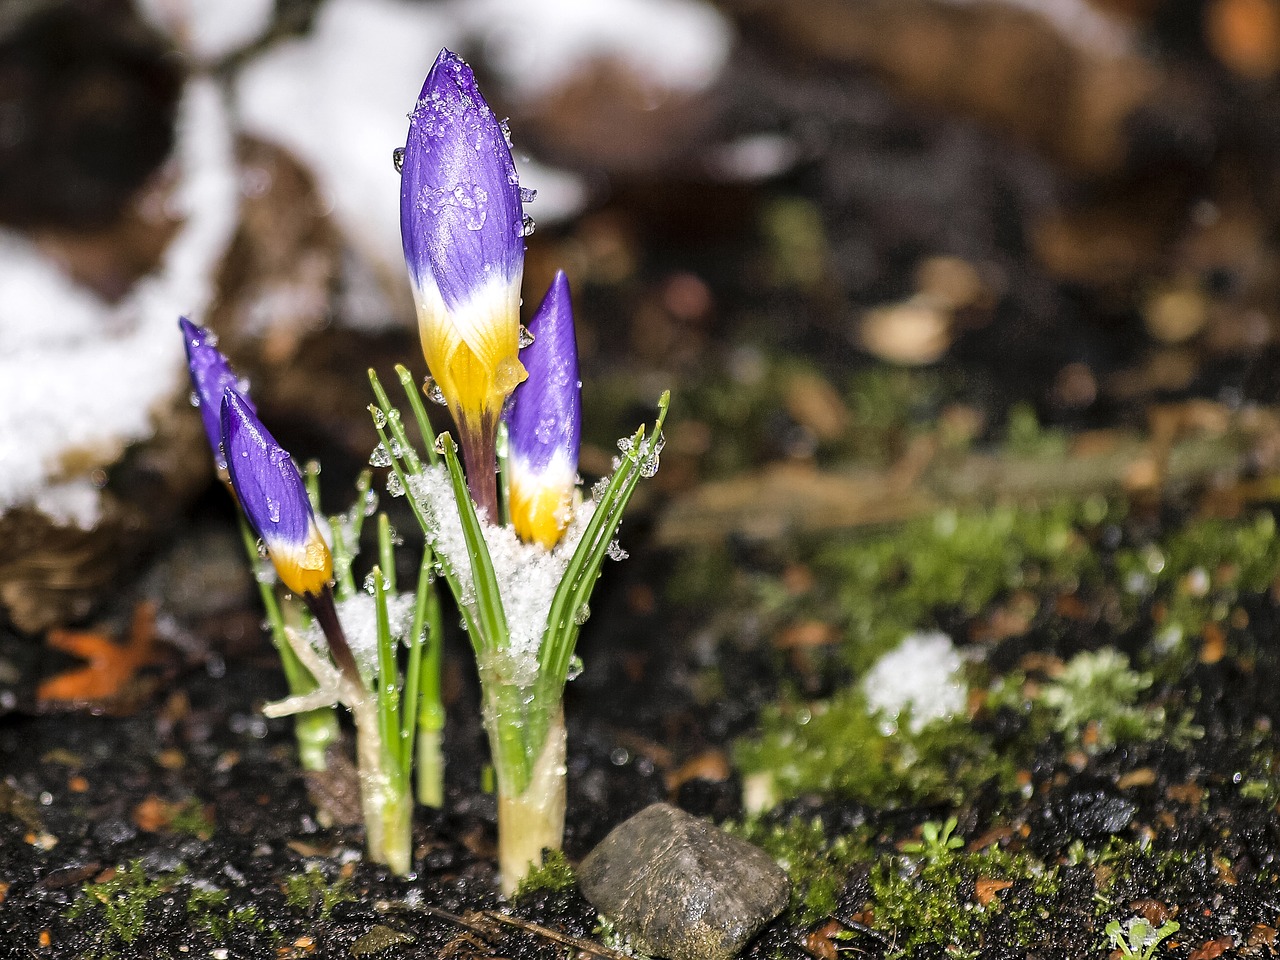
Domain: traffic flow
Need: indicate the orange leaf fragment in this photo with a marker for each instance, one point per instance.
(985, 889)
(1212, 949)
(110, 665)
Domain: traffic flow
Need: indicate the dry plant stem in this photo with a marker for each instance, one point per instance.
(479, 454)
(533, 819)
(387, 812)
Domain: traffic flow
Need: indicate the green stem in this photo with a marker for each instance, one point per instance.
(422, 687)
(386, 686)
(316, 729)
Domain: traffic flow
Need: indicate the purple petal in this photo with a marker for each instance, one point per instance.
(545, 416)
(267, 483)
(211, 375)
(461, 219)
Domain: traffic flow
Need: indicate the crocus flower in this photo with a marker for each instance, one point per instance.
(274, 499)
(462, 225)
(545, 423)
(211, 374)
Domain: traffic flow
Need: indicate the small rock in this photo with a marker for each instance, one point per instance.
(679, 887)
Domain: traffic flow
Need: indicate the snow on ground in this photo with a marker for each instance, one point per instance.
(209, 29)
(340, 99)
(675, 45)
(78, 374)
(921, 674)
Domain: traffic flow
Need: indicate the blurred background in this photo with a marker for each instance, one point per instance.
(816, 220)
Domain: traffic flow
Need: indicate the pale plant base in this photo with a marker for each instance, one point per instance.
(388, 810)
(430, 768)
(533, 820)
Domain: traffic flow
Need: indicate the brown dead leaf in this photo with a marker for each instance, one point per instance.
(985, 889)
(153, 814)
(111, 666)
(1211, 949)
(806, 635)
(1189, 792)
(1262, 935)
(708, 765)
(820, 942)
(1155, 912)
(1142, 777)
(1215, 644)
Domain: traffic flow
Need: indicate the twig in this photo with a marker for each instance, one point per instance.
(586, 946)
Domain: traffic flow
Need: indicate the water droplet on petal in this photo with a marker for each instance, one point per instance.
(273, 510)
(397, 159)
(527, 195)
(526, 337)
(194, 399)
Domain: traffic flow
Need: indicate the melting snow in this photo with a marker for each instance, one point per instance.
(922, 673)
(80, 375)
(209, 29)
(678, 45)
(527, 574)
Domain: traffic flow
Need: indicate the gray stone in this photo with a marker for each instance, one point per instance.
(679, 887)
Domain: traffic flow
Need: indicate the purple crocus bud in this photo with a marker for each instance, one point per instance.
(544, 423)
(211, 375)
(274, 499)
(462, 225)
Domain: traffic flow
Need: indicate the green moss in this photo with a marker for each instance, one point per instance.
(1026, 438)
(554, 876)
(935, 901)
(1198, 573)
(121, 902)
(890, 583)
(312, 892)
(1095, 703)
(193, 818)
(835, 747)
(818, 866)
(207, 911)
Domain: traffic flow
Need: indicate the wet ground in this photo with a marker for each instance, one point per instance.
(969, 362)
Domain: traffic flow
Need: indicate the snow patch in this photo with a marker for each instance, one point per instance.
(209, 29)
(675, 45)
(359, 618)
(339, 99)
(527, 574)
(76, 503)
(921, 674)
(80, 376)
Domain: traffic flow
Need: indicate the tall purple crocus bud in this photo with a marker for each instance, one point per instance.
(274, 499)
(545, 423)
(211, 375)
(462, 225)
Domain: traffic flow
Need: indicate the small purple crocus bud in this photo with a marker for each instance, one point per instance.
(274, 499)
(462, 226)
(211, 374)
(544, 423)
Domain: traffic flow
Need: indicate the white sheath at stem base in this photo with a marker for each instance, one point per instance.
(533, 820)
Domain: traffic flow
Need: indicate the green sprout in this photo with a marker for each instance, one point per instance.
(1137, 938)
(936, 842)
